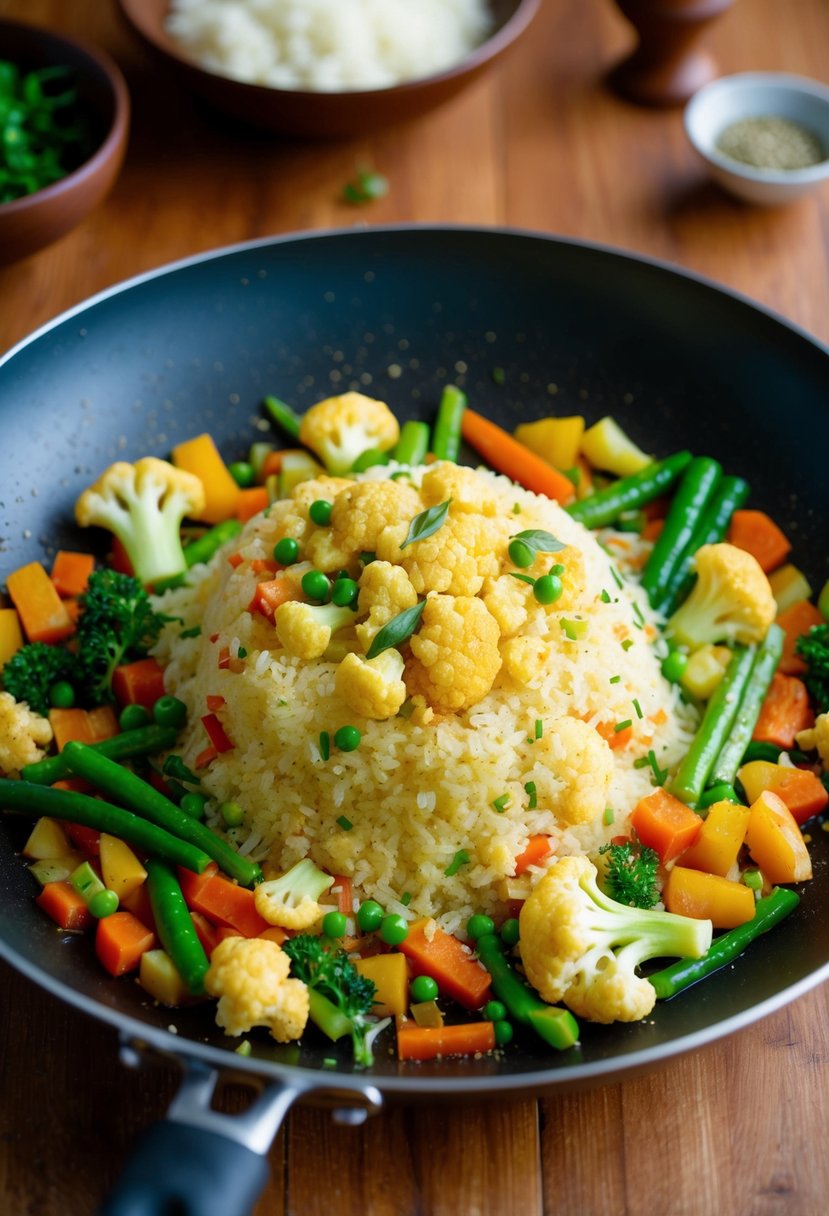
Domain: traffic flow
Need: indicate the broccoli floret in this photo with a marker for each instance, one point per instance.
(117, 624)
(143, 504)
(630, 874)
(340, 998)
(30, 673)
(814, 648)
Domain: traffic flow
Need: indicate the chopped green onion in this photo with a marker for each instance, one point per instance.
(609, 816)
(605, 596)
(659, 775)
(638, 708)
(406, 898)
(461, 858)
(530, 789)
(194, 632)
(345, 824)
(615, 679)
(539, 728)
(501, 803)
(573, 630)
(325, 744)
(626, 645)
(620, 726)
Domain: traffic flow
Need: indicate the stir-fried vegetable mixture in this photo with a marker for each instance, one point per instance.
(131, 845)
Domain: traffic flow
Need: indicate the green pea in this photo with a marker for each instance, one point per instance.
(232, 814)
(548, 588)
(394, 929)
(62, 695)
(193, 805)
(347, 738)
(319, 512)
(423, 988)
(673, 666)
(316, 585)
(334, 924)
(521, 554)
(478, 925)
(344, 592)
(503, 1032)
(510, 932)
(169, 711)
(286, 551)
(494, 1011)
(133, 717)
(103, 903)
(369, 916)
(242, 473)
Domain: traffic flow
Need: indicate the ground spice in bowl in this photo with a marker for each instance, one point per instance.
(770, 142)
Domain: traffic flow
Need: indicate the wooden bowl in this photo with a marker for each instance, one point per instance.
(326, 115)
(36, 220)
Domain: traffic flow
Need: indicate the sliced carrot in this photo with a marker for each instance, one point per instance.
(216, 734)
(139, 683)
(615, 739)
(42, 612)
(138, 902)
(802, 791)
(66, 907)
(264, 565)
(235, 560)
(214, 702)
(342, 887)
(201, 457)
(784, 712)
(506, 455)
(447, 961)
(538, 847)
(250, 502)
(665, 824)
(795, 621)
(103, 723)
(429, 1043)
(205, 757)
(71, 571)
(69, 726)
(760, 536)
(270, 594)
(120, 940)
(274, 933)
(210, 934)
(223, 902)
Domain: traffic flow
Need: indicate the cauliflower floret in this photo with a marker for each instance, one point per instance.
(385, 592)
(305, 629)
(573, 770)
(372, 688)
(467, 489)
(250, 978)
(290, 515)
(455, 559)
(525, 658)
(815, 738)
(358, 516)
(22, 734)
(290, 901)
(581, 947)
(455, 656)
(731, 600)
(339, 429)
(509, 600)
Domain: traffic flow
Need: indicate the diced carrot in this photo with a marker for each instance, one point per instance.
(235, 560)
(537, 849)
(214, 702)
(83, 838)
(264, 565)
(119, 559)
(201, 457)
(653, 529)
(271, 465)
(795, 621)
(71, 571)
(205, 757)
(74, 608)
(665, 824)
(70, 725)
(429, 1043)
(210, 934)
(802, 791)
(776, 842)
(216, 734)
(42, 613)
(66, 907)
(447, 960)
(270, 594)
(274, 933)
(103, 723)
(506, 455)
(250, 502)
(120, 940)
(138, 902)
(139, 683)
(760, 536)
(784, 712)
(342, 885)
(615, 739)
(223, 902)
(226, 661)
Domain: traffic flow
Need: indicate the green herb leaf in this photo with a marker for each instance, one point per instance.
(398, 630)
(539, 541)
(427, 523)
(525, 578)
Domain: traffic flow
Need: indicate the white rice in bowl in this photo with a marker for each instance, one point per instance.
(328, 45)
(426, 789)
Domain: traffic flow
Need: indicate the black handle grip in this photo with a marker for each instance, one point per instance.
(179, 1170)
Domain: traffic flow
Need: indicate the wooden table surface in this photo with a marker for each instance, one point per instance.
(737, 1127)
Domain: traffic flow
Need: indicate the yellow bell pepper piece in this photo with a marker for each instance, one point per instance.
(788, 586)
(708, 897)
(775, 841)
(47, 839)
(427, 1014)
(607, 447)
(391, 978)
(704, 670)
(201, 457)
(159, 976)
(556, 440)
(121, 870)
(11, 635)
(720, 839)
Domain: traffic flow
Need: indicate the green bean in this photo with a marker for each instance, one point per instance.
(724, 949)
(692, 498)
(748, 711)
(446, 440)
(175, 925)
(718, 719)
(201, 550)
(729, 496)
(24, 798)
(556, 1026)
(285, 418)
(413, 444)
(142, 741)
(140, 797)
(723, 791)
(629, 493)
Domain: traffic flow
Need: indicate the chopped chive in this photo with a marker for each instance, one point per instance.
(620, 726)
(461, 858)
(659, 775)
(539, 728)
(615, 679)
(406, 898)
(573, 629)
(530, 789)
(626, 645)
(194, 632)
(640, 619)
(609, 816)
(641, 762)
(345, 824)
(620, 582)
(325, 744)
(605, 596)
(525, 578)
(638, 708)
(501, 803)
(516, 508)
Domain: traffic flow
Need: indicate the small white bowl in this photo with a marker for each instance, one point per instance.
(759, 95)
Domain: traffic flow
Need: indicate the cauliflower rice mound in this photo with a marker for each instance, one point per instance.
(494, 695)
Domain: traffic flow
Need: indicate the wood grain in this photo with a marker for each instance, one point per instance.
(738, 1127)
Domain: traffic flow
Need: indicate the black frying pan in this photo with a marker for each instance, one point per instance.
(398, 313)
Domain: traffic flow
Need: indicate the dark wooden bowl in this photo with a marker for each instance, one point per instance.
(326, 115)
(30, 223)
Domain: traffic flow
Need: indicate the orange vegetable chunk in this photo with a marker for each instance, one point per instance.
(430, 1043)
(139, 683)
(269, 594)
(708, 897)
(784, 713)
(66, 907)
(42, 613)
(71, 571)
(720, 839)
(70, 725)
(802, 791)
(775, 841)
(458, 974)
(760, 536)
(665, 824)
(250, 502)
(201, 457)
(506, 455)
(794, 622)
(11, 635)
(222, 901)
(538, 847)
(120, 940)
